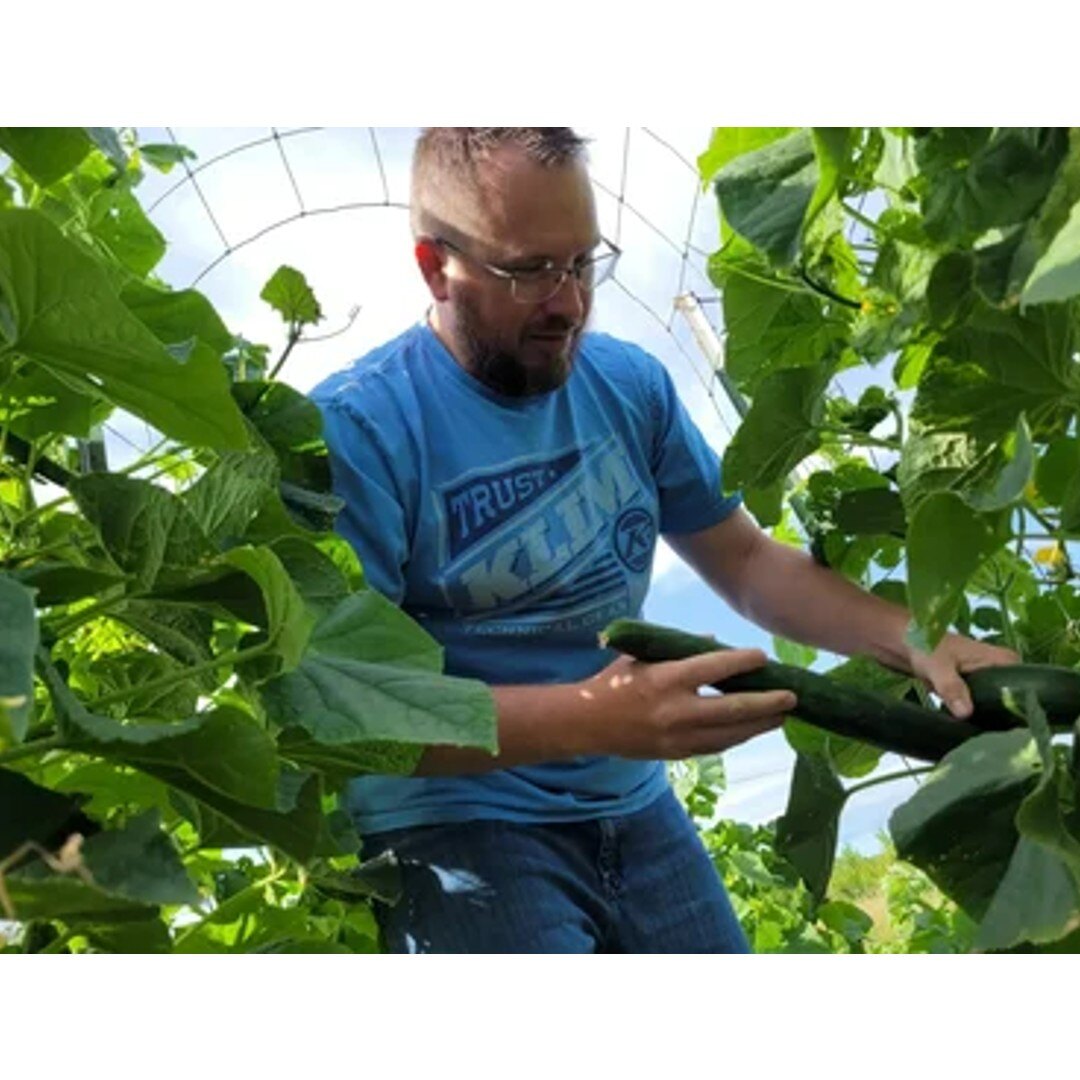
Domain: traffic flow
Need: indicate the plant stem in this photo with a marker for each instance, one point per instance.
(906, 774)
(168, 681)
(38, 746)
(294, 337)
(860, 217)
(80, 618)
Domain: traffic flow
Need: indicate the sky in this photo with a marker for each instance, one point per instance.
(262, 201)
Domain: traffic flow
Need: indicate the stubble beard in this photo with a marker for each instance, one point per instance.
(503, 370)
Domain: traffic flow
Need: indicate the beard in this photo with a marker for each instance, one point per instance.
(530, 367)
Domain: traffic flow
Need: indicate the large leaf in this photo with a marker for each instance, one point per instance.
(288, 622)
(394, 693)
(769, 326)
(1037, 900)
(149, 532)
(764, 195)
(959, 826)
(806, 834)
(728, 143)
(122, 227)
(295, 827)
(1011, 476)
(65, 316)
(998, 365)
(226, 498)
(780, 429)
(947, 541)
(47, 154)
(40, 404)
(176, 317)
(980, 178)
(1056, 276)
(123, 872)
(833, 148)
(18, 642)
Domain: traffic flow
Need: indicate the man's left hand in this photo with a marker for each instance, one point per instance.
(955, 655)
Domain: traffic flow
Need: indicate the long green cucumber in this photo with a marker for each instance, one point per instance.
(1057, 690)
(885, 722)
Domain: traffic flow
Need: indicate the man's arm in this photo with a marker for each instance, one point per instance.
(783, 590)
(630, 709)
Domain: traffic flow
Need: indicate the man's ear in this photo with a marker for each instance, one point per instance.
(429, 258)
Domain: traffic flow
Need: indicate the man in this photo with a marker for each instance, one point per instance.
(506, 475)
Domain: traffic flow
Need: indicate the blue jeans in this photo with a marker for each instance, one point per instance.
(638, 883)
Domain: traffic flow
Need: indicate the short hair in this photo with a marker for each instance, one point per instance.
(453, 153)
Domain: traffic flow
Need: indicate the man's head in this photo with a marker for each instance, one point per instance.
(496, 213)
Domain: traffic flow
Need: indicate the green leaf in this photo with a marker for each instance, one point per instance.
(833, 148)
(228, 753)
(806, 834)
(937, 571)
(288, 622)
(984, 374)
(1057, 468)
(769, 326)
(108, 142)
(296, 828)
(163, 156)
(959, 827)
(933, 462)
(43, 405)
(18, 643)
(394, 693)
(47, 154)
(124, 229)
(791, 652)
(149, 532)
(1036, 901)
(125, 871)
(764, 195)
(319, 580)
(176, 317)
(289, 294)
(226, 498)
(1008, 484)
(68, 319)
(726, 144)
(870, 511)
(981, 178)
(1056, 276)
(779, 430)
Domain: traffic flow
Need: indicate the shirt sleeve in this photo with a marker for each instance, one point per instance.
(373, 519)
(687, 469)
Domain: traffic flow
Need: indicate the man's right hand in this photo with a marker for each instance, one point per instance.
(655, 710)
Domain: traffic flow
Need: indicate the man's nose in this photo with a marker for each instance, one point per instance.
(570, 300)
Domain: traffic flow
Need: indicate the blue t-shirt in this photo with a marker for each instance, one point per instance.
(513, 530)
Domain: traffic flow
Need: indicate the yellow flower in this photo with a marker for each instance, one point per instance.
(1051, 555)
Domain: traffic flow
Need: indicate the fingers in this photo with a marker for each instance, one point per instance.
(717, 738)
(743, 708)
(713, 667)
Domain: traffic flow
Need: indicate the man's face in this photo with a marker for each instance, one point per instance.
(528, 215)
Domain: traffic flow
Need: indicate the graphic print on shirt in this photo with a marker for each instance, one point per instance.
(566, 538)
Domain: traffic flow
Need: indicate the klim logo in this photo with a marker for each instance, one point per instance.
(516, 536)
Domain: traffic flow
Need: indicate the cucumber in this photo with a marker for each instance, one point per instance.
(1057, 689)
(885, 722)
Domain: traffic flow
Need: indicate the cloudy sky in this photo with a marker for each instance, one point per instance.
(331, 202)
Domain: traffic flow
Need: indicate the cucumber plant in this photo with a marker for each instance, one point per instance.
(935, 273)
(190, 663)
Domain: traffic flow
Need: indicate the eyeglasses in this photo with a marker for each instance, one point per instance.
(537, 286)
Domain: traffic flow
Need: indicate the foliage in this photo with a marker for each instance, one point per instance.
(936, 273)
(190, 663)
